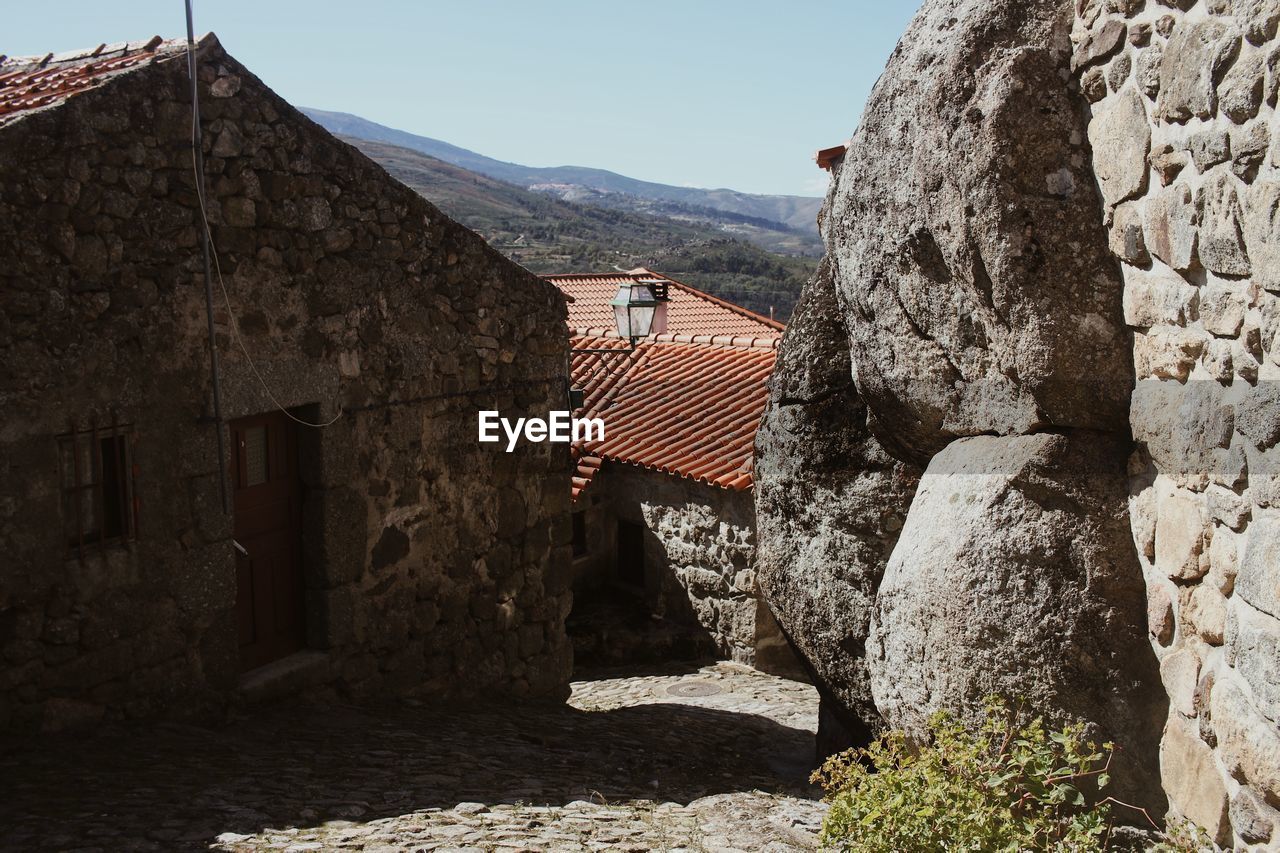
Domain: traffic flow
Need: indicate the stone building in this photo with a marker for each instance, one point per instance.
(1186, 148)
(386, 552)
(662, 506)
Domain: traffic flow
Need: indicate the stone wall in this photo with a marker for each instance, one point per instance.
(975, 311)
(699, 557)
(1187, 150)
(433, 565)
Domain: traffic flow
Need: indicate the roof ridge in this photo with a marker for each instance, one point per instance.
(724, 303)
(724, 341)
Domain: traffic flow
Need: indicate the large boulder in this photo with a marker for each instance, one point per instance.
(829, 504)
(1016, 574)
(966, 234)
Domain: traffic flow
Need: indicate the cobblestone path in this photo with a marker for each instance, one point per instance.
(705, 759)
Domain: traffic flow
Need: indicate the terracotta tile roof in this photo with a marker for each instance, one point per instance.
(31, 82)
(686, 402)
(686, 409)
(691, 314)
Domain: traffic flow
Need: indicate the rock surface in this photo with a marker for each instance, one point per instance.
(1016, 574)
(830, 503)
(966, 237)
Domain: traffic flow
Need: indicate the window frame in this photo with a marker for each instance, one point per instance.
(74, 483)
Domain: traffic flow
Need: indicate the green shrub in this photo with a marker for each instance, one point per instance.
(1014, 785)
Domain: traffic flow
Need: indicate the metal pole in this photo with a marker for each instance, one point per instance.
(198, 150)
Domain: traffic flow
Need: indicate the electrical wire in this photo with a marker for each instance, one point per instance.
(226, 296)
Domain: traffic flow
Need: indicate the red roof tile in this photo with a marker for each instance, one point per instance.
(686, 402)
(690, 313)
(31, 82)
(687, 409)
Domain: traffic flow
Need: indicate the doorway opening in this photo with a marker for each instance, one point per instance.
(267, 529)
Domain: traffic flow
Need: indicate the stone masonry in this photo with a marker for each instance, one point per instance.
(433, 565)
(1186, 149)
(699, 558)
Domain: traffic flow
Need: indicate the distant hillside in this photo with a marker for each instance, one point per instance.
(779, 223)
(549, 235)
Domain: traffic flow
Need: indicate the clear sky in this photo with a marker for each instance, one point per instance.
(710, 93)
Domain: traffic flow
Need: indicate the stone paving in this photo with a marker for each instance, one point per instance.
(710, 758)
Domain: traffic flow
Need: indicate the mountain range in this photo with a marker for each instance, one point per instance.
(547, 234)
(779, 223)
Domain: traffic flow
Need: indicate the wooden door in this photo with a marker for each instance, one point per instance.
(268, 533)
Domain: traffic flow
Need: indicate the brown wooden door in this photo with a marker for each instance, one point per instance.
(268, 529)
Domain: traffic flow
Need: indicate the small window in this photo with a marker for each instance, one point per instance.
(579, 534)
(98, 497)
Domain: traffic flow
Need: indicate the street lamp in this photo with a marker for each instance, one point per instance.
(636, 312)
(633, 311)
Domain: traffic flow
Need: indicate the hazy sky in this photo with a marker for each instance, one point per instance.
(711, 93)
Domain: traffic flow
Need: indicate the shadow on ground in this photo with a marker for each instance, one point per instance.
(179, 787)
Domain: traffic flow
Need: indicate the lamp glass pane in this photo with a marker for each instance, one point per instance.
(622, 319)
(641, 320)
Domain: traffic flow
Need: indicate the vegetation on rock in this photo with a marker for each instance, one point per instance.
(1016, 784)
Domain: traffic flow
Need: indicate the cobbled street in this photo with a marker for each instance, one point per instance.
(715, 758)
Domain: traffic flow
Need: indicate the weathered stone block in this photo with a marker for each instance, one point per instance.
(1209, 148)
(1180, 672)
(1179, 537)
(1241, 90)
(1258, 581)
(1253, 820)
(1222, 308)
(1154, 299)
(1222, 246)
(1191, 779)
(1015, 574)
(1127, 242)
(1194, 61)
(1255, 652)
(1160, 619)
(1207, 614)
(1120, 134)
(1170, 224)
(1262, 231)
(1248, 743)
